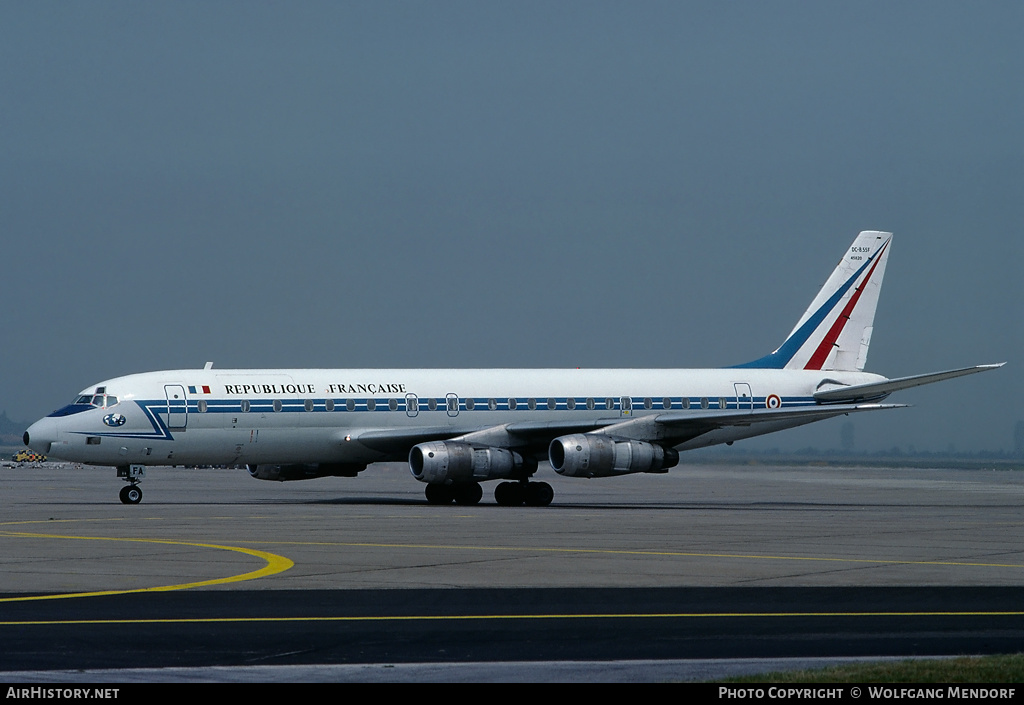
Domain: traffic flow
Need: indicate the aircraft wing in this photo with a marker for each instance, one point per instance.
(671, 427)
(398, 440)
(675, 427)
(511, 435)
(877, 390)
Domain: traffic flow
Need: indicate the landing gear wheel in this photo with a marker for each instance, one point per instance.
(439, 494)
(539, 494)
(467, 493)
(509, 494)
(132, 494)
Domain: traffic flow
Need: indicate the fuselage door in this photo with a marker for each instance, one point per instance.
(177, 407)
(412, 405)
(625, 406)
(453, 404)
(744, 398)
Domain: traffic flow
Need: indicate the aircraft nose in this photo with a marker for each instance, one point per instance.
(40, 436)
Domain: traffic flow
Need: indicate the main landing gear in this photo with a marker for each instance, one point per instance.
(532, 494)
(462, 493)
(507, 494)
(133, 474)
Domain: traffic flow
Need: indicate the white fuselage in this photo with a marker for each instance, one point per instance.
(213, 417)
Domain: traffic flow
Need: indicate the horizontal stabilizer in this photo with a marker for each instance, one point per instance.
(877, 390)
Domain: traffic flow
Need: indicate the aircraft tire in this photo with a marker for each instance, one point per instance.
(539, 494)
(439, 494)
(467, 493)
(132, 494)
(509, 494)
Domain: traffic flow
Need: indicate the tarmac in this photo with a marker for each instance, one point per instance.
(615, 570)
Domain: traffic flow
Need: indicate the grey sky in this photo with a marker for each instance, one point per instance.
(550, 184)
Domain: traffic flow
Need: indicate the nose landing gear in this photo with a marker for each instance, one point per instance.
(130, 494)
(133, 474)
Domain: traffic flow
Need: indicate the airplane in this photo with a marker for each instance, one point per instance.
(458, 428)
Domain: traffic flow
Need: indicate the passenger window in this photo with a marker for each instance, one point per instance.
(308, 405)
(552, 403)
(202, 406)
(277, 405)
(470, 404)
(329, 404)
(350, 404)
(532, 404)
(590, 403)
(511, 404)
(570, 403)
(393, 404)
(371, 404)
(609, 403)
(722, 403)
(245, 405)
(704, 402)
(648, 403)
(492, 404)
(432, 404)
(666, 403)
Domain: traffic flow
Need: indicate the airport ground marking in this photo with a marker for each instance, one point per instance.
(22, 522)
(498, 617)
(635, 552)
(274, 564)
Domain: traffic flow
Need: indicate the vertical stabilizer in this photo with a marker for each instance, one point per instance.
(835, 331)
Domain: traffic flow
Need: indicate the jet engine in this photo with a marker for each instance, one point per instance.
(451, 461)
(597, 455)
(307, 471)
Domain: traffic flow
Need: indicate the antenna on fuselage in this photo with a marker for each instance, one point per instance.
(208, 366)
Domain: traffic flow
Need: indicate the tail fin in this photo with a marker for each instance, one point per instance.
(835, 331)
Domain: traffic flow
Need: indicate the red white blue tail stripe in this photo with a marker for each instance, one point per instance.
(835, 331)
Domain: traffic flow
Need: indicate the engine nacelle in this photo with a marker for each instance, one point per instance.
(597, 455)
(306, 471)
(451, 461)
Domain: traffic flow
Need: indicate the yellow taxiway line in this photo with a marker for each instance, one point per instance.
(493, 617)
(275, 564)
(640, 552)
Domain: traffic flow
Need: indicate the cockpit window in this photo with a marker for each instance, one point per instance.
(101, 401)
(86, 402)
